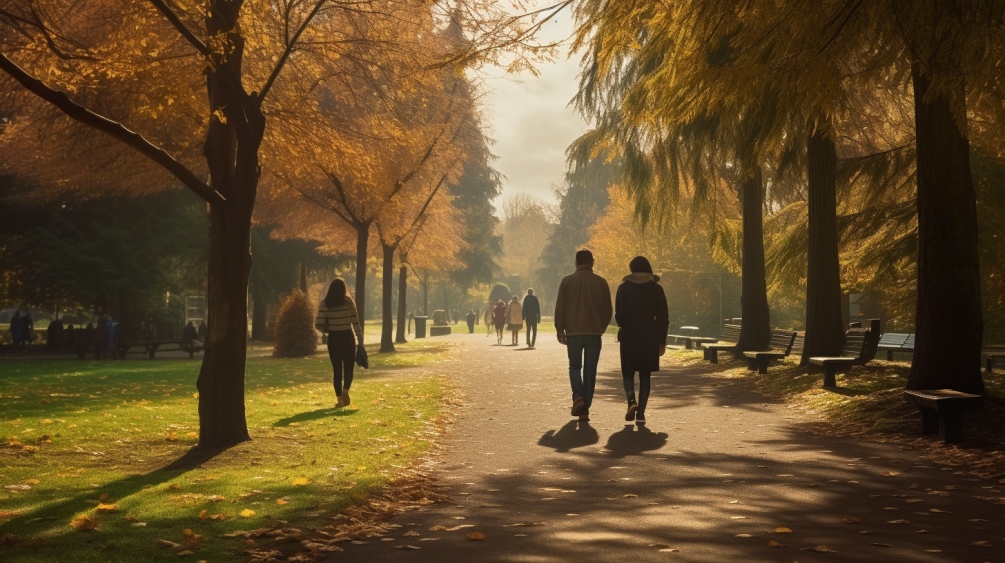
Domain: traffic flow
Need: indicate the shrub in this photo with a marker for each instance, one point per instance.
(295, 334)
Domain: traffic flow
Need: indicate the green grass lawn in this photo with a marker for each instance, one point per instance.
(97, 459)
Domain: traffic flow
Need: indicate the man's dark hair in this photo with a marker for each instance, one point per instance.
(584, 257)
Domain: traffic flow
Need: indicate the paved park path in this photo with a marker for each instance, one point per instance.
(718, 474)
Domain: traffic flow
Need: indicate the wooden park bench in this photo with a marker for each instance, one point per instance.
(896, 342)
(855, 353)
(942, 411)
(691, 341)
(994, 354)
(779, 347)
(727, 341)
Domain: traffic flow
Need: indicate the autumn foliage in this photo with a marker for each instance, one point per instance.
(295, 334)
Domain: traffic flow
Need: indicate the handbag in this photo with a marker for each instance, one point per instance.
(361, 359)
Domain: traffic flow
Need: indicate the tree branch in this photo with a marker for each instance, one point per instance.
(180, 26)
(289, 49)
(112, 128)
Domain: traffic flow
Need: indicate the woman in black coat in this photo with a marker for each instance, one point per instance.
(640, 309)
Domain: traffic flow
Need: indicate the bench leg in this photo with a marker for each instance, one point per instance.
(989, 365)
(751, 364)
(889, 355)
(762, 365)
(713, 355)
(829, 376)
(951, 427)
(930, 423)
(687, 343)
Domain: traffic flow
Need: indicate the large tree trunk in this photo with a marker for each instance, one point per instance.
(824, 324)
(362, 243)
(949, 322)
(387, 288)
(755, 333)
(232, 155)
(399, 337)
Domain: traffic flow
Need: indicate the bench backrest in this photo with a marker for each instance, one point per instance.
(855, 341)
(797, 343)
(782, 340)
(730, 333)
(895, 339)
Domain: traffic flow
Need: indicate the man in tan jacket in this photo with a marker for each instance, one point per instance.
(582, 312)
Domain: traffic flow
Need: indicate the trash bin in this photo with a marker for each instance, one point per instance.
(420, 326)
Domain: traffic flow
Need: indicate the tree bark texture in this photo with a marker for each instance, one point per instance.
(824, 324)
(387, 289)
(399, 336)
(949, 322)
(755, 333)
(362, 243)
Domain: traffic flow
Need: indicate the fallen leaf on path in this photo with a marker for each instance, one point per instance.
(659, 546)
(820, 549)
(630, 495)
(774, 543)
(520, 524)
(475, 536)
(900, 521)
(878, 544)
(982, 543)
(849, 520)
(743, 536)
(783, 530)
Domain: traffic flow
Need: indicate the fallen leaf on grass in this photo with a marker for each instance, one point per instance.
(301, 481)
(107, 508)
(83, 523)
(475, 536)
(282, 501)
(247, 513)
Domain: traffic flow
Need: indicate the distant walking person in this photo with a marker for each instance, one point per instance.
(531, 314)
(18, 332)
(488, 320)
(640, 309)
(337, 317)
(582, 313)
(514, 318)
(499, 319)
(471, 318)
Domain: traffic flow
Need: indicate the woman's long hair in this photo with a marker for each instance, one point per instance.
(337, 293)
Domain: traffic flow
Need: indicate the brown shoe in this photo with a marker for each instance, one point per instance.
(578, 406)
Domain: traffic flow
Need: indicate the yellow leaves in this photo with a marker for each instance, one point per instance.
(246, 513)
(205, 515)
(282, 501)
(301, 481)
(172, 437)
(84, 524)
(107, 508)
(219, 116)
(195, 395)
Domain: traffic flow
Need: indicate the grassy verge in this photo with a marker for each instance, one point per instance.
(868, 403)
(97, 459)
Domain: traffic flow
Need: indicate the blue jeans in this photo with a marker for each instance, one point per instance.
(584, 354)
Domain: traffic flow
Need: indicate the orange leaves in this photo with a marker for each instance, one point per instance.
(84, 524)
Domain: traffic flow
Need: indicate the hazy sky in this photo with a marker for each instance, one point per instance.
(531, 122)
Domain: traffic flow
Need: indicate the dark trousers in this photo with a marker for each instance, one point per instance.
(531, 328)
(644, 386)
(342, 351)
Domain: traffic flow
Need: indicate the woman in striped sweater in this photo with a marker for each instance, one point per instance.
(337, 317)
